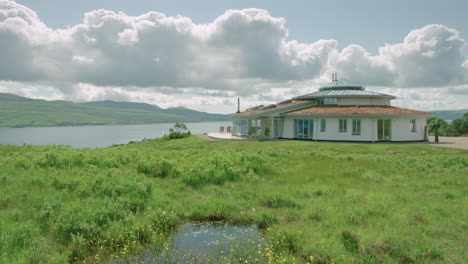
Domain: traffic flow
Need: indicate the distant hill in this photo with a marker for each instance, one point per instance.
(450, 114)
(17, 111)
(179, 111)
(124, 105)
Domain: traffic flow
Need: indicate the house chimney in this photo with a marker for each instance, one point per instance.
(238, 105)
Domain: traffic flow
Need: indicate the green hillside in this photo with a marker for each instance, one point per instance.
(124, 105)
(450, 114)
(17, 111)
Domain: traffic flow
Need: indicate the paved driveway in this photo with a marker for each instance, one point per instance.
(450, 142)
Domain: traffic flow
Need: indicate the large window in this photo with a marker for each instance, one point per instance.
(304, 128)
(343, 125)
(356, 127)
(413, 125)
(323, 125)
(384, 128)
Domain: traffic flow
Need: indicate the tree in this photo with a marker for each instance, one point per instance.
(434, 125)
(460, 125)
(179, 131)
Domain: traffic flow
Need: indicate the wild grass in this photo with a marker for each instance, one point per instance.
(316, 202)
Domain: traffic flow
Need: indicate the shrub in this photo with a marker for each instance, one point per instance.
(50, 159)
(159, 169)
(164, 222)
(179, 131)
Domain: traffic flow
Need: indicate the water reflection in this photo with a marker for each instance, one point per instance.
(206, 243)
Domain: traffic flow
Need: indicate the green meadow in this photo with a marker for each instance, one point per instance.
(316, 202)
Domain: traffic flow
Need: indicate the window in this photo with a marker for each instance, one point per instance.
(356, 127)
(413, 125)
(304, 128)
(330, 101)
(323, 125)
(343, 125)
(327, 101)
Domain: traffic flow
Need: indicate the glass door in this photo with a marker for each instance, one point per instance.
(275, 127)
(384, 128)
(304, 128)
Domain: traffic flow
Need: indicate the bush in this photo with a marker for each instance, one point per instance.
(179, 131)
(159, 169)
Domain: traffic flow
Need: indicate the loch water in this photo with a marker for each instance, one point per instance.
(95, 136)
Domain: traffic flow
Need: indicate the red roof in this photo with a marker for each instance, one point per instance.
(250, 112)
(358, 110)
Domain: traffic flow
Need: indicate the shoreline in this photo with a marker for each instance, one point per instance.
(117, 124)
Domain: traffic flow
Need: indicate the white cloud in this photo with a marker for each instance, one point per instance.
(243, 53)
(82, 59)
(430, 56)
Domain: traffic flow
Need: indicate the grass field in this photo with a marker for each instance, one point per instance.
(316, 202)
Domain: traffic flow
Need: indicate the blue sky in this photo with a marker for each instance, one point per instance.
(204, 54)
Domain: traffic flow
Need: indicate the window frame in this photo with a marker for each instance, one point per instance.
(342, 125)
(309, 128)
(356, 129)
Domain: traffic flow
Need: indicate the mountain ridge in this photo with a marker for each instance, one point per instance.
(18, 111)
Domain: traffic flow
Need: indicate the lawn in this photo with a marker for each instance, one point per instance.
(316, 202)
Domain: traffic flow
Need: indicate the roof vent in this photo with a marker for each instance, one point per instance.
(335, 77)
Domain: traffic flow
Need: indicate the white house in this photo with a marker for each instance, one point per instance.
(336, 112)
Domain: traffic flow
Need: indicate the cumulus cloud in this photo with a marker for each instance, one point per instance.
(241, 53)
(430, 56)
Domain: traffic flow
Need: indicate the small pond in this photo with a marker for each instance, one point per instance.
(206, 243)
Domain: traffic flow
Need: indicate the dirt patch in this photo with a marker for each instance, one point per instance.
(449, 142)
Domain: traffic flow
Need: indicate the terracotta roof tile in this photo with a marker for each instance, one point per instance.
(357, 110)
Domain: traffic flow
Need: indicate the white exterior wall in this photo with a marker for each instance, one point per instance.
(401, 128)
(363, 101)
(332, 133)
(288, 128)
